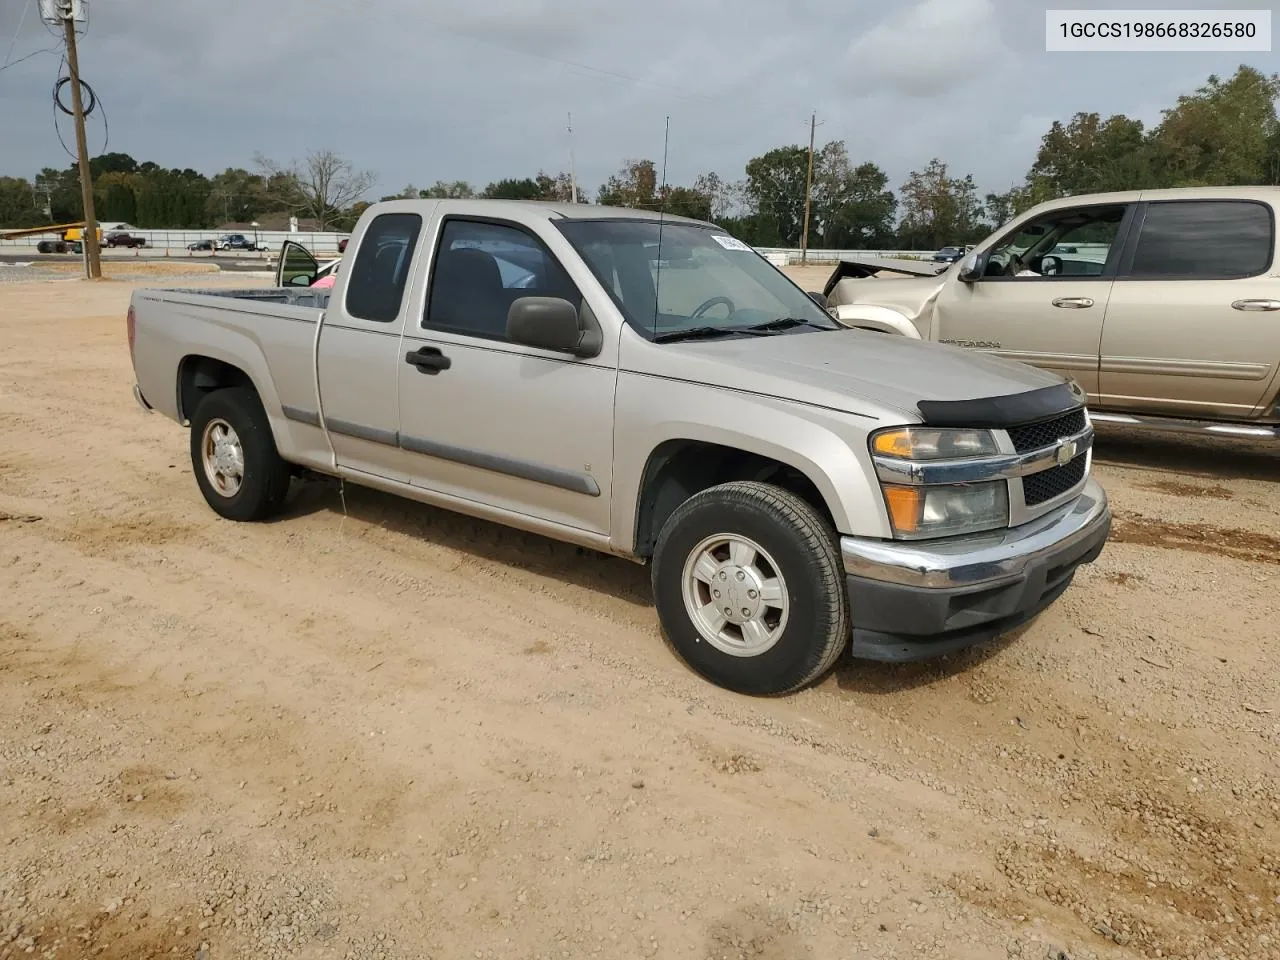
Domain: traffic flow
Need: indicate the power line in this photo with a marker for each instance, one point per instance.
(14, 42)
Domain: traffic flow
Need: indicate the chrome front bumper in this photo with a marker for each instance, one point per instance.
(913, 600)
(985, 558)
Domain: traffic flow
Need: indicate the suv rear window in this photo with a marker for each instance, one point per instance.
(1204, 240)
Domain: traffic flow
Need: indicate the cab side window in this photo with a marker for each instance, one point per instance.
(1066, 243)
(482, 268)
(1203, 240)
(380, 273)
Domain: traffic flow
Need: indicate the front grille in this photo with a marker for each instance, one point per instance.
(1034, 436)
(1044, 486)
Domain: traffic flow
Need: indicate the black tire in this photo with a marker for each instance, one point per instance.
(264, 483)
(804, 549)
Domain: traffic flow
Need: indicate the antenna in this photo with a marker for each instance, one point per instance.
(662, 209)
(573, 177)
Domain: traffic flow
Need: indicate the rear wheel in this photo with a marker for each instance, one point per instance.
(234, 456)
(748, 586)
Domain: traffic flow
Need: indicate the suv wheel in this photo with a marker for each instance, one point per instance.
(749, 588)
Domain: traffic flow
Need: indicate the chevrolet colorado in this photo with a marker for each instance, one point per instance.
(652, 388)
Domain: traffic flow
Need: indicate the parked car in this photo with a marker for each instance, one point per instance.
(1154, 301)
(237, 241)
(797, 489)
(121, 239)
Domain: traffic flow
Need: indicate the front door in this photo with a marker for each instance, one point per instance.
(296, 266)
(1193, 327)
(481, 418)
(1043, 295)
(358, 357)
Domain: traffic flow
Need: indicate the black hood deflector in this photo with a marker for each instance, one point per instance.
(1008, 411)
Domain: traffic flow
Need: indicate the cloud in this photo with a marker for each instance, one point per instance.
(928, 49)
(419, 90)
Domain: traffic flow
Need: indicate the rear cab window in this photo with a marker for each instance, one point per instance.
(1203, 240)
(380, 273)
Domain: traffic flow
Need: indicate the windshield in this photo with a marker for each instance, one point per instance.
(704, 280)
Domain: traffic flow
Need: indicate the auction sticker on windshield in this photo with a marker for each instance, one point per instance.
(730, 243)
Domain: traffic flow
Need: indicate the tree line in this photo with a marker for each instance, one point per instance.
(1226, 132)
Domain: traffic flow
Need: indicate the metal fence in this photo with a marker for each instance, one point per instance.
(176, 242)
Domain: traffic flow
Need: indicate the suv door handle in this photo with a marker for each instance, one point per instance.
(428, 360)
(1073, 303)
(1256, 305)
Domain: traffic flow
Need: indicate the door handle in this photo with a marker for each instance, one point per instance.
(1256, 305)
(428, 360)
(1073, 303)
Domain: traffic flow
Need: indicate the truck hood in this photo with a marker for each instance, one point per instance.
(854, 371)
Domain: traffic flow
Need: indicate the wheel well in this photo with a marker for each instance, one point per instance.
(200, 376)
(678, 469)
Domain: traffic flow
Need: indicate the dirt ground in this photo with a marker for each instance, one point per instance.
(375, 729)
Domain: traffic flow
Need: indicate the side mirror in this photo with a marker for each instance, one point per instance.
(1050, 266)
(819, 299)
(973, 267)
(301, 280)
(551, 323)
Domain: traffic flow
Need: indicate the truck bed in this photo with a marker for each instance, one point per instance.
(269, 332)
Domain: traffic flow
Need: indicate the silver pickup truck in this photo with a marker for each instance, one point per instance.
(648, 387)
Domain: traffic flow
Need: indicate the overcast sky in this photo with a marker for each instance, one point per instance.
(420, 90)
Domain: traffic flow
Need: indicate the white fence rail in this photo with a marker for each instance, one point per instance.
(175, 243)
(171, 242)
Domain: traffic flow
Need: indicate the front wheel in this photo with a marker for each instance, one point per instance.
(748, 585)
(234, 456)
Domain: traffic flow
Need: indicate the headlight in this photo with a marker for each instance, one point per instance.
(919, 512)
(933, 443)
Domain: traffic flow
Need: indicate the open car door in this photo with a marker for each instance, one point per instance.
(296, 266)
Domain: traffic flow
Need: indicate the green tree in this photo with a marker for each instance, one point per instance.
(1224, 134)
(448, 190)
(510, 189)
(237, 196)
(1089, 155)
(634, 185)
(112, 163)
(684, 202)
(939, 209)
(852, 206)
(18, 204)
(775, 193)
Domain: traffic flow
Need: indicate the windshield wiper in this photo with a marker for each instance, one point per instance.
(702, 333)
(786, 323)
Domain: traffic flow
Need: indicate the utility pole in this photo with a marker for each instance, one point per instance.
(808, 193)
(89, 236)
(573, 177)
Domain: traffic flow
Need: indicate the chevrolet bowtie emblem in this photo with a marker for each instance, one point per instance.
(1066, 451)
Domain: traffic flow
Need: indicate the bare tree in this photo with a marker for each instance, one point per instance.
(320, 187)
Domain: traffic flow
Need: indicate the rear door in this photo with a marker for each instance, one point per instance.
(1044, 294)
(1193, 327)
(358, 357)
